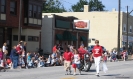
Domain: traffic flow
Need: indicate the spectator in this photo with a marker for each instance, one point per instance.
(14, 55)
(1, 58)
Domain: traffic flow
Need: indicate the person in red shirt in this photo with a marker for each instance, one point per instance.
(67, 56)
(82, 51)
(97, 54)
(54, 48)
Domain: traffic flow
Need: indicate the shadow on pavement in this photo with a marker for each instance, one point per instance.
(112, 75)
(92, 70)
(87, 74)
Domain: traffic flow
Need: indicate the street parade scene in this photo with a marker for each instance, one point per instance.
(66, 39)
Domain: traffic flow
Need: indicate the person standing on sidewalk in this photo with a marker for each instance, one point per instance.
(25, 54)
(97, 54)
(67, 56)
(15, 57)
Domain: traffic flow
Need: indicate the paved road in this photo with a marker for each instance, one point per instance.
(117, 70)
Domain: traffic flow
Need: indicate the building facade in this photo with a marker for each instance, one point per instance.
(104, 26)
(29, 20)
(59, 30)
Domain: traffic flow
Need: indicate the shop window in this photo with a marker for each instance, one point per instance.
(57, 41)
(3, 6)
(13, 7)
(71, 42)
(15, 38)
(33, 38)
(81, 43)
(23, 38)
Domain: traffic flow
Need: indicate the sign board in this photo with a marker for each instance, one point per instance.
(81, 24)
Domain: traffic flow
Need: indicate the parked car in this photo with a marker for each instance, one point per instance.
(90, 48)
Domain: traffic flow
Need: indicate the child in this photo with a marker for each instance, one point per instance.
(28, 58)
(67, 56)
(76, 62)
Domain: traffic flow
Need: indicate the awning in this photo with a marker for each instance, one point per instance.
(82, 38)
(74, 38)
(59, 37)
(67, 36)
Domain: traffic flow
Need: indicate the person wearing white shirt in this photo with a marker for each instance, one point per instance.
(4, 47)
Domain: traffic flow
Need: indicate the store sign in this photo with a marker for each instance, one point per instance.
(81, 24)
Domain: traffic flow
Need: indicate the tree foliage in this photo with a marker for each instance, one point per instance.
(53, 6)
(94, 5)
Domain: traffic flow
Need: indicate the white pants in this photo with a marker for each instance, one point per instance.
(97, 63)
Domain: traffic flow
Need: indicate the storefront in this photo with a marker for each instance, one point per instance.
(62, 31)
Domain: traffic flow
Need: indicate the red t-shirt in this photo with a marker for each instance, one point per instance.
(82, 50)
(54, 49)
(97, 51)
(68, 56)
(18, 48)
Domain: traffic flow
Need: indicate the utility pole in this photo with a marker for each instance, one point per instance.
(127, 30)
(20, 19)
(128, 13)
(118, 39)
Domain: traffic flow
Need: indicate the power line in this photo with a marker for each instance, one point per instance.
(66, 2)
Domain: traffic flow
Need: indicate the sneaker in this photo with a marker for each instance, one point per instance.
(74, 74)
(79, 72)
(66, 72)
(97, 74)
(70, 72)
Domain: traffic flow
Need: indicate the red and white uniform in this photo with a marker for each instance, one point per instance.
(97, 53)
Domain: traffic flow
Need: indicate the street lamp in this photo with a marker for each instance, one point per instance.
(118, 39)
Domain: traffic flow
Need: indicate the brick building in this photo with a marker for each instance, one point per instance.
(57, 29)
(30, 20)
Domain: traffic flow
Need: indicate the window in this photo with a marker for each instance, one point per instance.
(39, 12)
(35, 11)
(130, 29)
(124, 28)
(13, 7)
(33, 38)
(3, 6)
(23, 38)
(15, 38)
(30, 10)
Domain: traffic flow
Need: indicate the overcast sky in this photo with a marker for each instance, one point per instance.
(109, 4)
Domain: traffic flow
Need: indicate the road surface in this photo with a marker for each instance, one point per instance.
(117, 70)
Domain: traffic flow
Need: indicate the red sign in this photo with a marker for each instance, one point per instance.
(80, 24)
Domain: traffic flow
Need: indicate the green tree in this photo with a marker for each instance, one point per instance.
(53, 6)
(94, 5)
